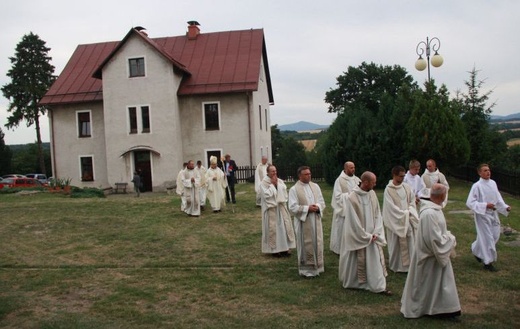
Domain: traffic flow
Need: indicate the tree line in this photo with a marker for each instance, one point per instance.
(385, 118)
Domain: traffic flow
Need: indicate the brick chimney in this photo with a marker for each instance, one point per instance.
(193, 30)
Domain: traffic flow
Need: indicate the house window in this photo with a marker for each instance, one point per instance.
(84, 124)
(136, 66)
(145, 116)
(87, 169)
(211, 116)
(139, 119)
(132, 119)
(260, 115)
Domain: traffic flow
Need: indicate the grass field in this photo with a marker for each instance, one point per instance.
(126, 262)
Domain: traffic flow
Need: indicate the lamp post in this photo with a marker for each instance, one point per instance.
(424, 48)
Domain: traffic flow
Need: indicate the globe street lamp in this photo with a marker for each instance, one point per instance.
(424, 48)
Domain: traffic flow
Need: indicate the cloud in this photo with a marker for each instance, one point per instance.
(309, 43)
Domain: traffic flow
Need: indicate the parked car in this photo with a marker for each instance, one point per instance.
(13, 176)
(19, 182)
(41, 177)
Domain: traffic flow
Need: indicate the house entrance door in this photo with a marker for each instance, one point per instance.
(142, 164)
(216, 153)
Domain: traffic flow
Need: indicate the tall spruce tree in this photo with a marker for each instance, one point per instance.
(486, 144)
(31, 76)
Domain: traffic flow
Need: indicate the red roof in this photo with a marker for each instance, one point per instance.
(219, 62)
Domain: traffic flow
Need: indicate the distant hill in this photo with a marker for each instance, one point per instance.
(302, 126)
(514, 116)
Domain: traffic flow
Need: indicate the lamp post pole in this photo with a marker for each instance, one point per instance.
(425, 48)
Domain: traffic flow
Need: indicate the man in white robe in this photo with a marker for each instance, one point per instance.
(361, 260)
(203, 184)
(260, 173)
(216, 181)
(400, 218)
(430, 287)
(415, 181)
(180, 187)
(191, 183)
(486, 202)
(345, 183)
(306, 203)
(277, 229)
(431, 176)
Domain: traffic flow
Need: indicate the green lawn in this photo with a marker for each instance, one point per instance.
(126, 262)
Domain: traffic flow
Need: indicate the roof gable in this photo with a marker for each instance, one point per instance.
(218, 62)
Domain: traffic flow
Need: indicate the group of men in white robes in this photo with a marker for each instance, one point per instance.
(196, 183)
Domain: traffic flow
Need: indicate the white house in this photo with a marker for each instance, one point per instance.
(150, 104)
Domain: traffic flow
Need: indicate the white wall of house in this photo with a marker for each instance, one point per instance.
(67, 146)
(233, 135)
(157, 89)
(261, 120)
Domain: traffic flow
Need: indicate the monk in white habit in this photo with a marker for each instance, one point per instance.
(415, 181)
(277, 228)
(400, 219)
(345, 183)
(216, 181)
(306, 203)
(486, 202)
(431, 176)
(361, 260)
(203, 184)
(180, 187)
(191, 183)
(430, 285)
(260, 173)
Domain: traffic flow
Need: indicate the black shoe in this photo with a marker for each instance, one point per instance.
(234, 201)
(490, 268)
(478, 259)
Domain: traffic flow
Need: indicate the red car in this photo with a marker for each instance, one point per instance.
(19, 182)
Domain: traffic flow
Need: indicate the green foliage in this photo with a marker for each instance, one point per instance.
(512, 159)
(373, 103)
(31, 76)
(292, 154)
(365, 85)
(24, 159)
(87, 192)
(288, 154)
(276, 141)
(5, 156)
(435, 130)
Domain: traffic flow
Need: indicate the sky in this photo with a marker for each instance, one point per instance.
(309, 43)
